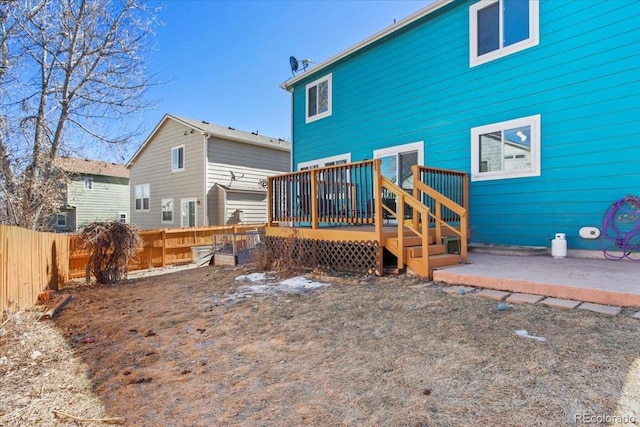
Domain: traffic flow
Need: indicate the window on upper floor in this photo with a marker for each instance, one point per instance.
(501, 27)
(318, 103)
(167, 210)
(508, 149)
(87, 183)
(122, 217)
(177, 158)
(61, 219)
(142, 197)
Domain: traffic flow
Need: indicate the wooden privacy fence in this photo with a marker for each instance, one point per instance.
(30, 262)
(160, 247)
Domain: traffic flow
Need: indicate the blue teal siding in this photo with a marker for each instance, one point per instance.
(416, 85)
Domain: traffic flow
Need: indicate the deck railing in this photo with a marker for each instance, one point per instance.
(453, 185)
(341, 194)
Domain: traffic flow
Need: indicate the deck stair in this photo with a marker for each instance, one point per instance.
(413, 254)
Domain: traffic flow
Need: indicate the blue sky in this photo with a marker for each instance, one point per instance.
(225, 60)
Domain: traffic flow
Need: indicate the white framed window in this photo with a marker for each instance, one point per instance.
(122, 217)
(499, 28)
(142, 197)
(177, 158)
(87, 183)
(396, 163)
(340, 159)
(167, 210)
(509, 149)
(318, 99)
(61, 219)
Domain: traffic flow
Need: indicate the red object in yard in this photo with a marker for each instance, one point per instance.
(87, 340)
(46, 295)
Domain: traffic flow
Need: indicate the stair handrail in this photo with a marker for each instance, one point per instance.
(442, 200)
(420, 226)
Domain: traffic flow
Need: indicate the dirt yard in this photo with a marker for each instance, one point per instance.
(202, 347)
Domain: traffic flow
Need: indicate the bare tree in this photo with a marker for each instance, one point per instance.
(71, 72)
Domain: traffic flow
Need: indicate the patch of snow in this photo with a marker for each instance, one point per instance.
(295, 285)
(253, 277)
(525, 334)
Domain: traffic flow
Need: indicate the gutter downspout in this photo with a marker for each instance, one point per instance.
(205, 205)
(291, 169)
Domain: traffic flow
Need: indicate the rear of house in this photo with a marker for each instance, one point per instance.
(536, 101)
(95, 191)
(191, 173)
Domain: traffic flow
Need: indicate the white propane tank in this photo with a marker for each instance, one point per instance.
(559, 246)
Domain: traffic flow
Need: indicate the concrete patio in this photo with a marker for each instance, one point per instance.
(582, 279)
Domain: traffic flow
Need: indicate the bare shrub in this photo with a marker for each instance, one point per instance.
(263, 257)
(111, 246)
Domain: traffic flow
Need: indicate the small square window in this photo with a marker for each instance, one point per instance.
(318, 102)
(177, 158)
(167, 210)
(87, 184)
(508, 149)
(61, 220)
(501, 27)
(122, 217)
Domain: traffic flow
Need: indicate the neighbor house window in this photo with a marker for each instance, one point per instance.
(318, 99)
(177, 158)
(87, 183)
(142, 197)
(501, 27)
(61, 219)
(122, 217)
(508, 149)
(167, 210)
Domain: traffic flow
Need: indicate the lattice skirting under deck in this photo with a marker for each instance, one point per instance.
(345, 256)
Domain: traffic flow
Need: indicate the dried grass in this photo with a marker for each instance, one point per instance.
(365, 351)
(40, 375)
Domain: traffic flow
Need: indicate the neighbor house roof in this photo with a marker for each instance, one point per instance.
(91, 167)
(437, 4)
(228, 133)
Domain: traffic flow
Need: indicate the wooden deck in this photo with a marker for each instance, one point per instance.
(351, 211)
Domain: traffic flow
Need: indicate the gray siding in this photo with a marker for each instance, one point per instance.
(153, 167)
(253, 206)
(250, 165)
(247, 156)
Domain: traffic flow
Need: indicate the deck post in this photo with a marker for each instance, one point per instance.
(416, 194)
(400, 218)
(377, 205)
(314, 199)
(269, 201)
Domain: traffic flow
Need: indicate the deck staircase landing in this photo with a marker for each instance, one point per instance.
(414, 254)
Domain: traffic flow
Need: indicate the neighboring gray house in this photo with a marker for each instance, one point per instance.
(190, 173)
(95, 191)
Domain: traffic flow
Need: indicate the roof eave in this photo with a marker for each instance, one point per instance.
(288, 85)
(206, 132)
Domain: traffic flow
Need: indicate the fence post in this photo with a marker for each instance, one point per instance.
(164, 248)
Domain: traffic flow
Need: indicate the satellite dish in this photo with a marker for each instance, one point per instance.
(295, 64)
